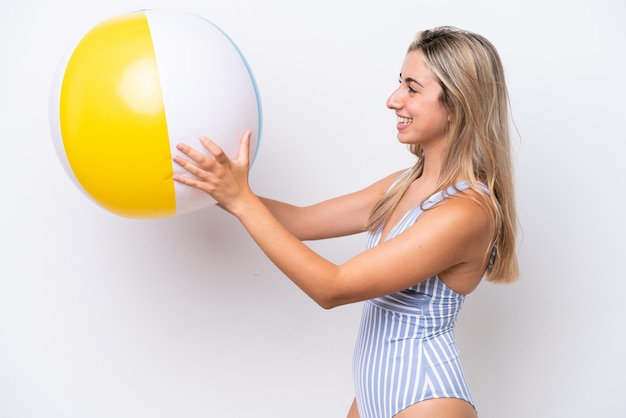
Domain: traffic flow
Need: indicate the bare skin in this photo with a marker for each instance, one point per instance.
(432, 408)
(458, 224)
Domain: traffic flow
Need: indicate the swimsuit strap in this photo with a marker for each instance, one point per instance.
(451, 190)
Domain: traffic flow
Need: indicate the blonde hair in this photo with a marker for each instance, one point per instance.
(470, 73)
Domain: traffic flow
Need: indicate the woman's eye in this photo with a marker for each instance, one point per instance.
(412, 90)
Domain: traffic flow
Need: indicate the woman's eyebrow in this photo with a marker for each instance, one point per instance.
(411, 80)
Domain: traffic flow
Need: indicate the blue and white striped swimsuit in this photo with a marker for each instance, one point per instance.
(405, 351)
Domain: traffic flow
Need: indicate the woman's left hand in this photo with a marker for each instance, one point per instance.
(224, 179)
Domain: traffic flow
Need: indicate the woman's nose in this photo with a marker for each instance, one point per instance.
(393, 101)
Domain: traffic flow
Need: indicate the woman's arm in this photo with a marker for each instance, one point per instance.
(445, 239)
(340, 216)
(451, 237)
(323, 220)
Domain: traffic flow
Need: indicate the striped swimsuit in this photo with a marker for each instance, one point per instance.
(405, 351)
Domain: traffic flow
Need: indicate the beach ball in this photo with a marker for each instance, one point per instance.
(132, 88)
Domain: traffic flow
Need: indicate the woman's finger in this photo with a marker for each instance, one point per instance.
(244, 148)
(216, 151)
(200, 158)
(189, 166)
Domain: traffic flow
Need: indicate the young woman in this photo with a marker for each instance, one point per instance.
(435, 230)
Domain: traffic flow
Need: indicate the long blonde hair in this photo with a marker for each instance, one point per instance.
(470, 73)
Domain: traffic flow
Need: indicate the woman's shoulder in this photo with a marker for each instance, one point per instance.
(465, 207)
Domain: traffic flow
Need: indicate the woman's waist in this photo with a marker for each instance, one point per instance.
(419, 304)
(429, 314)
(399, 323)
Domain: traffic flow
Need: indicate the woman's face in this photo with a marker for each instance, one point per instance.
(422, 119)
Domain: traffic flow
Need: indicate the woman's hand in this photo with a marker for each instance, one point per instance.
(224, 179)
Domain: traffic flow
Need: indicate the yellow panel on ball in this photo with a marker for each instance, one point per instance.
(112, 120)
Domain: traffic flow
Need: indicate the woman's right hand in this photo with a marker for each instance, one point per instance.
(224, 179)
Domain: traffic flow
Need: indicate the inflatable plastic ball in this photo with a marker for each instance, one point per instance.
(132, 88)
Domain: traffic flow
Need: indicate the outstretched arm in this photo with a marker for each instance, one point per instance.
(340, 216)
(328, 219)
(396, 264)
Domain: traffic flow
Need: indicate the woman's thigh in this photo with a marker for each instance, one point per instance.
(439, 408)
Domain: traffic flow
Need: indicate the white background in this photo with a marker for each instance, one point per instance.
(102, 316)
